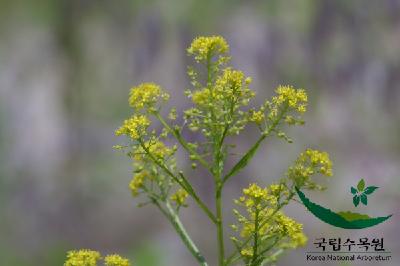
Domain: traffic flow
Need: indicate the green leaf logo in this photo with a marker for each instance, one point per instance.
(361, 185)
(356, 200)
(370, 190)
(360, 193)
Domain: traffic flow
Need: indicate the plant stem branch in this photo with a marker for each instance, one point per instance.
(183, 182)
(182, 141)
(250, 153)
(220, 229)
(233, 255)
(172, 216)
(255, 246)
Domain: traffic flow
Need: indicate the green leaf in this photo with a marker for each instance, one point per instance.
(370, 190)
(364, 199)
(353, 190)
(361, 185)
(352, 216)
(356, 200)
(244, 160)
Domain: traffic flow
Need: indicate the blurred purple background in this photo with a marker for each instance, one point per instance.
(66, 68)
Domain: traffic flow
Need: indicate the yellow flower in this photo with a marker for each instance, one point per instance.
(156, 148)
(134, 127)
(307, 164)
(257, 117)
(293, 97)
(146, 95)
(319, 160)
(230, 81)
(137, 182)
(299, 239)
(291, 229)
(202, 97)
(116, 260)
(203, 48)
(180, 197)
(247, 252)
(278, 189)
(265, 220)
(255, 191)
(83, 257)
(221, 103)
(289, 98)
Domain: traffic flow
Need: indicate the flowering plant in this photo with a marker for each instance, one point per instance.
(220, 97)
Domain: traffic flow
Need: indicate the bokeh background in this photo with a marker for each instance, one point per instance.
(66, 68)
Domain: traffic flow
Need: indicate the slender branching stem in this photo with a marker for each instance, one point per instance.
(173, 217)
(255, 244)
(183, 182)
(231, 258)
(249, 154)
(182, 141)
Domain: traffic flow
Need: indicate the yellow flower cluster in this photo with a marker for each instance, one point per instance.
(247, 252)
(230, 81)
(287, 99)
(257, 117)
(202, 97)
(203, 48)
(278, 189)
(147, 173)
(231, 85)
(296, 99)
(221, 103)
(146, 95)
(134, 127)
(281, 107)
(256, 192)
(320, 160)
(116, 260)
(83, 257)
(308, 163)
(180, 197)
(156, 148)
(86, 257)
(138, 180)
(256, 200)
(265, 220)
(291, 229)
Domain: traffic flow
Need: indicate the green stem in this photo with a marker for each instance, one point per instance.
(172, 216)
(217, 167)
(280, 206)
(220, 229)
(181, 141)
(270, 246)
(250, 153)
(255, 246)
(272, 258)
(198, 200)
(183, 182)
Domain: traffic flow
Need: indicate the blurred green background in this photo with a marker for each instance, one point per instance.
(66, 68)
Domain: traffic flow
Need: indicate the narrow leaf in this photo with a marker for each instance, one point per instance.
(370, 190)
(353, 190)
(356, 200)
(361, 185)
(364, 199)
(244, 160)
